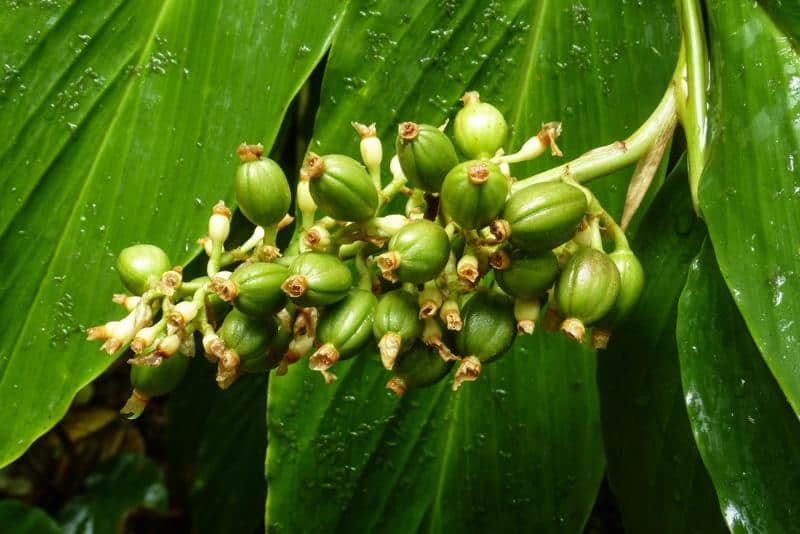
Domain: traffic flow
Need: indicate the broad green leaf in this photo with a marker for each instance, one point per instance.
(117, 487)
(750, 190)
(746, 432)
(23, 519)
(217, 441)
(654, 468)
(521, 447)
(121, 122)
(786, 15)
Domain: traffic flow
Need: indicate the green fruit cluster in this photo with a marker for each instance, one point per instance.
(446, 281)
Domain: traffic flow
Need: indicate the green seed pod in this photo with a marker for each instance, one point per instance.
(480, 129)
(396, 325)
(545, 215)
(151, 382)
(344, 329)
(488, 327)
(418, 367)
(586, 291)
(254, 288)
(280, 343)
(140, 265)
(426, 155)
(417, 253)
(631, 277)
(262, 190)
(317, 279)
(473, 193)
(341, 187)
(248, 338)
(528, 275)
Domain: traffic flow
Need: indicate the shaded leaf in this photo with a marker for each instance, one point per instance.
(750, 191)
(654, 467)
(23, 519)
(521, 447)
(217, 443)
(123, 119)
(120, 485)
(746, 432)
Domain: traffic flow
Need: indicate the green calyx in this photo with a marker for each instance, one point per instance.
(248, 337)
(480, 129)
(528, 275)
(159, 380)
(348, 325)
(419, 367)
(341, 187)
(488, 327)
(255, 288)
(262, 191)
(141, 265)
(425, 154)
(417, 253)
(587, 290)
(317, 279)
(473, 193)
(396, 325)
(631, 276)
(543, 216)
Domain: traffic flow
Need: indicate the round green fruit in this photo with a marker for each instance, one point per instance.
(317, 279)
(586, 291)
(262, 191)
(396, 325)
(344, 329)
(631, 276)
(341, 187)
(488, 327)
(160, 380)
(426, 155)
(528, 275)
(417, 253)
(480, 129)
(248, 337)
(141, 265)
(473, 193)
(255, 288)
(419, 367)
(543, 216)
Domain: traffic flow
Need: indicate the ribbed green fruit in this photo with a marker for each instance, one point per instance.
(317, 279)
(396, 325)
(417, 253)
(248, 337)
(543, 216)
(474, 193)
(529, 275)
(157, 381)
(419, 367)
(258, 288)
(140, 265)
(480, 129)
(631, 277)
(341, 187)
(347, 326)
(262, 191)
(488, 327)
(426, 155)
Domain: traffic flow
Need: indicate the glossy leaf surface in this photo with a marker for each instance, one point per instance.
(750, 191)
(24, 519)
(654, 468)
(746, 432)
(522, 445)
(121, 121)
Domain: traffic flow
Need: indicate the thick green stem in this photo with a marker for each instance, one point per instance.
(692, 101)
(618, 155)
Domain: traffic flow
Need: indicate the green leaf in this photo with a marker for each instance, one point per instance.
(121, 121)
(217, 442)
(750, 190)
(23, 519)
(746, 432)
(654, 467)
(120, 485)
(522, 445)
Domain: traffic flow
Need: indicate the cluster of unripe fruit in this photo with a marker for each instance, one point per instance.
(448, 282)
